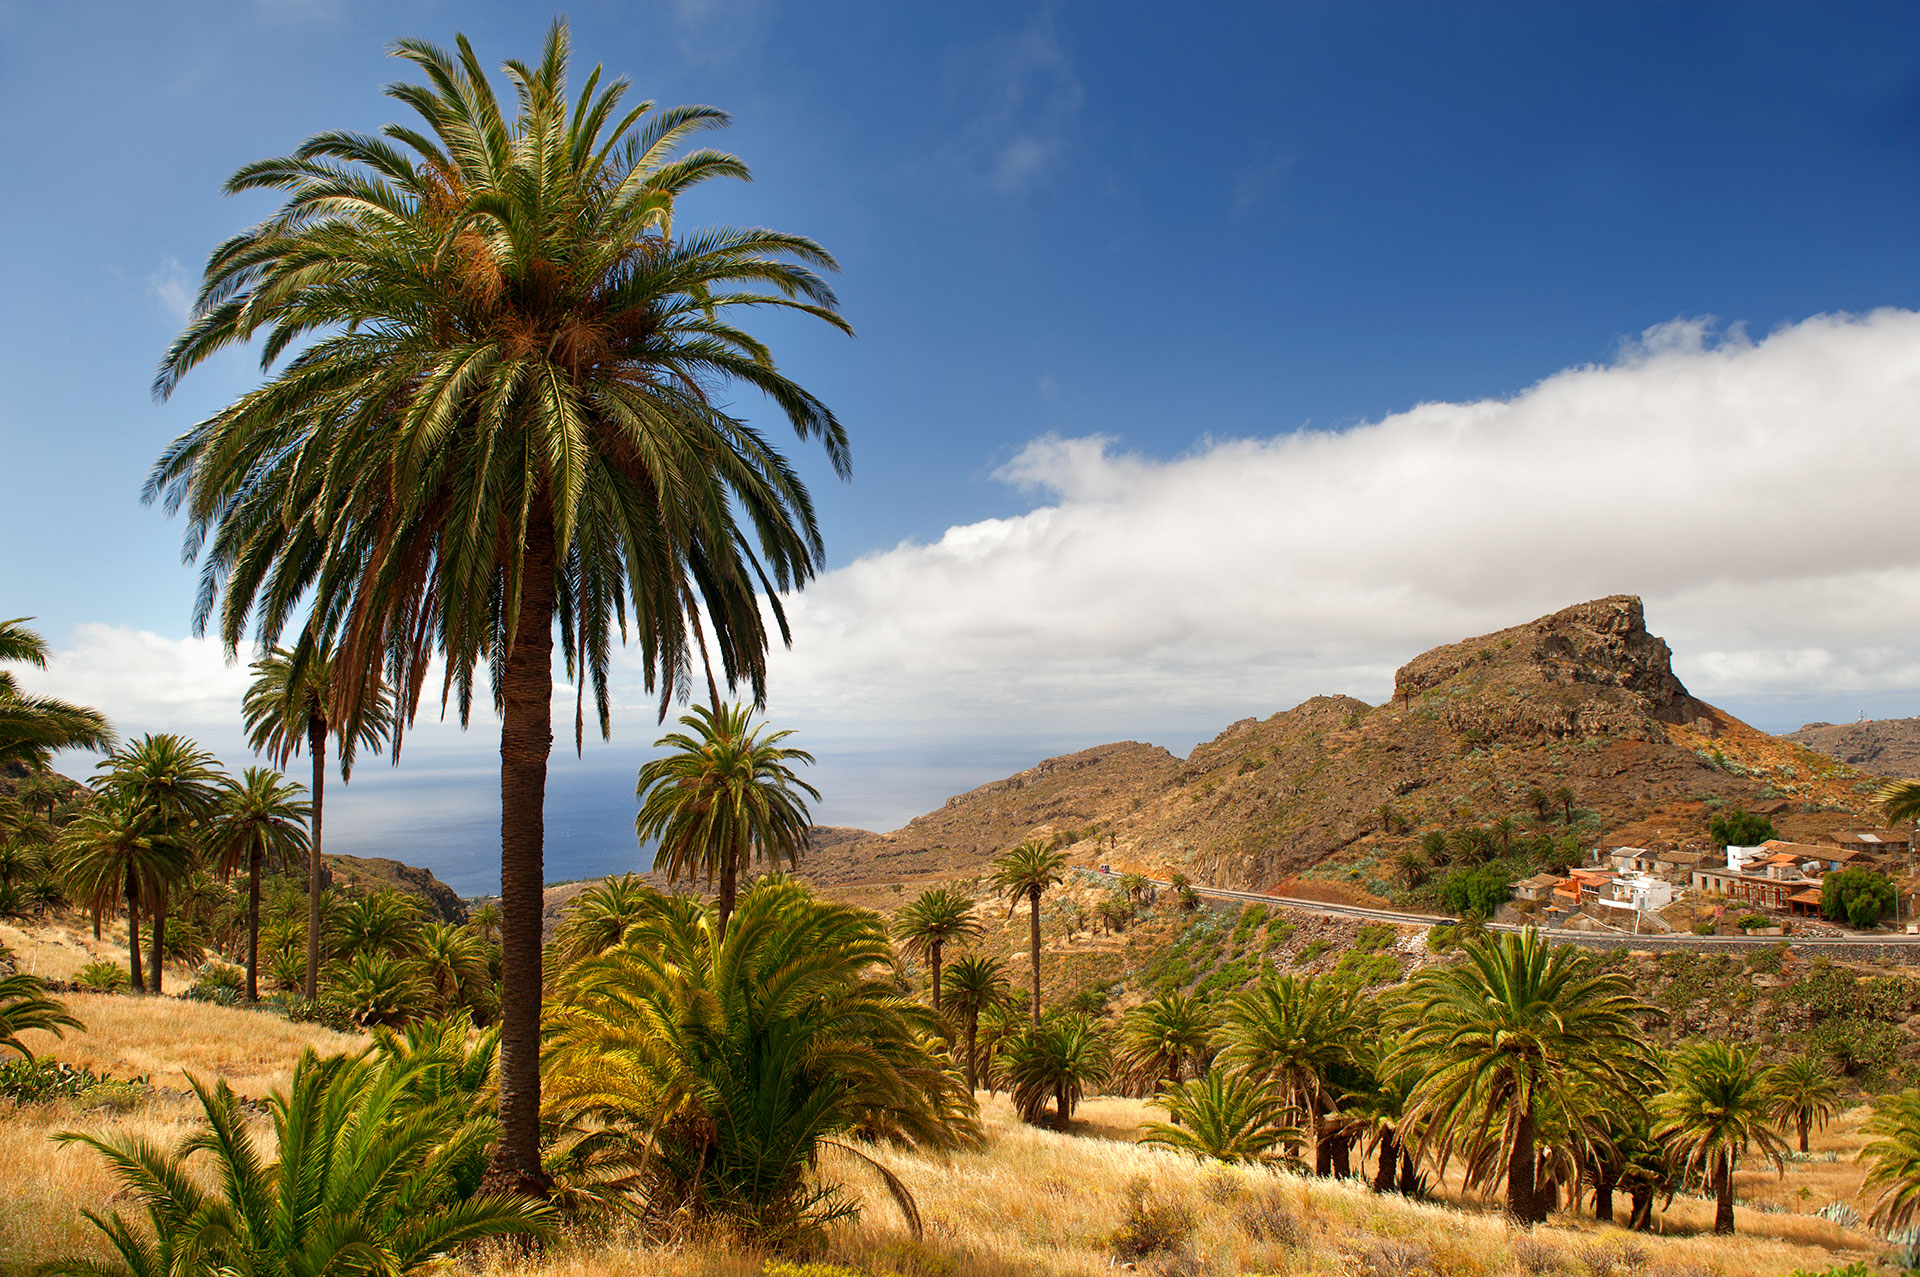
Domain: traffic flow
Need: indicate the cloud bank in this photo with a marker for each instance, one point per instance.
(1758, 494)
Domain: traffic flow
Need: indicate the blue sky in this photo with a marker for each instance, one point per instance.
(1076, 222)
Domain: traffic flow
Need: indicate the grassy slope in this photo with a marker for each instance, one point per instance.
(1031, 1202)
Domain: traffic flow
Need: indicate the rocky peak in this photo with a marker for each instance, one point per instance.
(1590, 669)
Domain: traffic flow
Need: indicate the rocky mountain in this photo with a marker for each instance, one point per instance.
(1884, 746)
(1583, 700)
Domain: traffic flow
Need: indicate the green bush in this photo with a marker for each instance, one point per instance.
(1738, 828)
(1857, 895)
(1375, 936)
(1753, 920)
(41, 1081)
(1479, 890)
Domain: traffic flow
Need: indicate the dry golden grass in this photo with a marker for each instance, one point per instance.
(167, 1038)
(47, 1184)
(1039, 1202)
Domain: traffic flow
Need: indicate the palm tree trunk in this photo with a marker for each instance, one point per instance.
(1342, 1162)
(317, 751)
(1804, 1124)
(253, 923)
(1520, 1204)
(1603, 1194)
(1033, 897)
(159, 930)
(526, 739)
(1723, 1191)
(1409, 1171)
(1389, 1153)
(729, 890)
(934, 948)
(1640, 1211)
(133, 937)
(973, 1051)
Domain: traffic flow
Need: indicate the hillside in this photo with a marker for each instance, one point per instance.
(1584, 699)
(1883, 746)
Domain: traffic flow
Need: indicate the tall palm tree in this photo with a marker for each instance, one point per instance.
(1293, 1031)
(289, 706)
(725, 796)
(261, 824)
(1165, 1040)
(176, 785)
(507, 411)
(974, 984)
(32, 728)
(1025, 872)
(1717, 1106)
(935, 916)
(114, 850)
(1805, 1093)
(1521, 1024)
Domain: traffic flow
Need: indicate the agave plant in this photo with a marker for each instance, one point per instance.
(361, 1183)
(1230, 1117)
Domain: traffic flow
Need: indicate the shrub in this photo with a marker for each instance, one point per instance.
(101, 977)
(1857, 895)
(1753, 920)
(331, 1015)
(1267, 1218)
(1152, 1226)
(1375, 936)
(41, 1081)
(1738, 828)
(1479, 890)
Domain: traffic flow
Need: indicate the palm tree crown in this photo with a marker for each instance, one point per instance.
(260, 826)
(1805, 1093)
(724, 796)
(289, 706)
(936, 916)
(499, 403)
(32, 728)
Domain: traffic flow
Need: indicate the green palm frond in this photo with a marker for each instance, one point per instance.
(1229, 1117)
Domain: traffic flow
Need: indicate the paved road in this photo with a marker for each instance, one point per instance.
(1442, 920)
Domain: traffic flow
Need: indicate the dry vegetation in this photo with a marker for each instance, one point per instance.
(1038, 1202)
(1032, 1202)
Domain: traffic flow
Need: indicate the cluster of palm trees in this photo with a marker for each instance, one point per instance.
(1528, 1064)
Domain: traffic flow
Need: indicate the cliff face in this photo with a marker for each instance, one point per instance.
(1588, 670)
(1584, 699)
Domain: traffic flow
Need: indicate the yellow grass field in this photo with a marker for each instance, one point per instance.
(1031, 1202)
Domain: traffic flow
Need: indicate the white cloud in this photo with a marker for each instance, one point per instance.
(1029, 105)
(1756, 493)
(173, 289)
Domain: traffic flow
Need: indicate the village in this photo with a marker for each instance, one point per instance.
(1773, 888)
